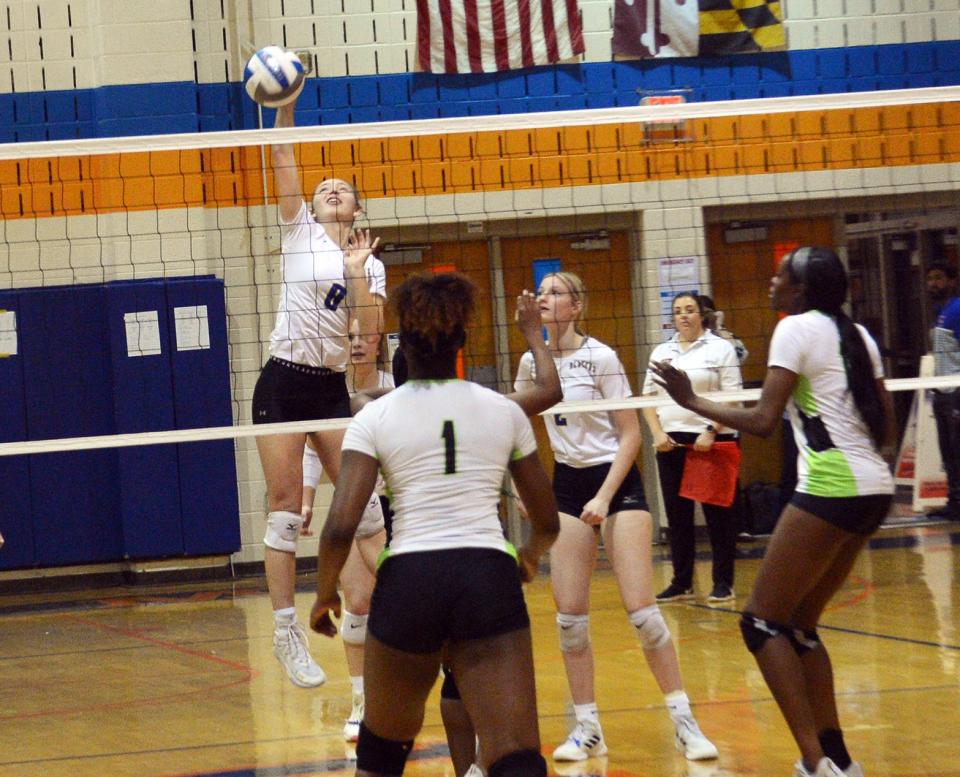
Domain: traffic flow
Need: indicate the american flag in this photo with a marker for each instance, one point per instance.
(484, 36)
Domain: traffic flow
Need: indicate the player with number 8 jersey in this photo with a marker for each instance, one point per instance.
(329, 277)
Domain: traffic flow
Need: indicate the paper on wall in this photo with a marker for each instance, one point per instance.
(143, 333)
(192, 326)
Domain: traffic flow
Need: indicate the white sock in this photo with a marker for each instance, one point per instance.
(285, 616)
(587, 712)
(356, 685)
(678, 703)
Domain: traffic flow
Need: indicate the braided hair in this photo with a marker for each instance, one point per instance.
(824, 282)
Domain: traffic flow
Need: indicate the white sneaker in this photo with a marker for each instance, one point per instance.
(692, 743)
(291, 648)
(827, 768)
(351, 729)
(585, 741)
(474, 771)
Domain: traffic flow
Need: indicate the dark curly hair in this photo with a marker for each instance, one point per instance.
(434, 311)
(824, 280)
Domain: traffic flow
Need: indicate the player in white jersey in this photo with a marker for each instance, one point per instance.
(328, 276)
(598, 488)
(829, 371)
(364, 372)
(443, 446)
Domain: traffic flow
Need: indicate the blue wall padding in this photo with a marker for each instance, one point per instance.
(149, 475)
(16, 523)
(142, 109)
(209, 506)
(74, 495)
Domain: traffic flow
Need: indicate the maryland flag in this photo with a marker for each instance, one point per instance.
(734, 26)
(684, 28)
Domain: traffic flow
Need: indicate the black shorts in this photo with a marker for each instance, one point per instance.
(574, 487)
(295, 392)
(854, 514)
(425, 598)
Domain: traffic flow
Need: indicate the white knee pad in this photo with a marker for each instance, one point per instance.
(651, 627)
(574, 632)
(283, 528)
(372, 519)
(353, 628)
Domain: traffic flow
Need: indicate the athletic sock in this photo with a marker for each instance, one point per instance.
(678, 704)
(831, 740)
(586, 712)
(285, 616)
(356, 684)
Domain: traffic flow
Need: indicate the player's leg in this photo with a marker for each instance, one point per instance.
(356, 582)
(461, 735)
(572, 560)
(627, 542)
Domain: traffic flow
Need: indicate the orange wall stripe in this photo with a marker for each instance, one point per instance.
(490, 161)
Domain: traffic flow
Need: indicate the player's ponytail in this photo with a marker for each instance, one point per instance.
(825, 289)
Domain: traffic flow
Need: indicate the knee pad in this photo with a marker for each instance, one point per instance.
(574, 632)
(519, 763)
(651, 627)
(353, 628)
(371, 521)
(381, 756)
(449, 688)
(756, 631)
(804, 640)
(283, 528)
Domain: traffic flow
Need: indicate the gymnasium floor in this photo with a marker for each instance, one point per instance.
(181, 680)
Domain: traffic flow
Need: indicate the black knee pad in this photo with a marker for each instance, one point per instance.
(756, 631)
(449, 688)
(379, 755)
(519, 763)
(804, 640)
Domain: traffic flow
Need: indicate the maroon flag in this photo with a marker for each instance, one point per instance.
(484, 36)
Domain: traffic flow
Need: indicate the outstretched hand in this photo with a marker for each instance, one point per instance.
(359, 247)
(528, 316)
(675, 382)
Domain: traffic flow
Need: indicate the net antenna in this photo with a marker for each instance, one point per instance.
(665, 130)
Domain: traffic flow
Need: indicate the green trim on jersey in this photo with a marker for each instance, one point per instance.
(512, 550)
(517, 455)
(508, 547)
(803, 396)
(384, 555)
(829, 474)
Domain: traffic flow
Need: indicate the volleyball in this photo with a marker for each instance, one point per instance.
(273, 77)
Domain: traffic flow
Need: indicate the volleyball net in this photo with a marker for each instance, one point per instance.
(139, 277)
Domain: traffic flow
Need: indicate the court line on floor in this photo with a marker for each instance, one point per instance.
(248, 674)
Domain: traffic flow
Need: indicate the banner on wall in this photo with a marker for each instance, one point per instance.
(684, 28)
(485, 36)
(675, 274)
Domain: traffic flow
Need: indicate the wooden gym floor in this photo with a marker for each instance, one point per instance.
(181, 680)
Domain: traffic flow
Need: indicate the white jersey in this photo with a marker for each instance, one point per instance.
(837, 456)
(443, 448)
(593, 371)
(710, 362)
(311, 326)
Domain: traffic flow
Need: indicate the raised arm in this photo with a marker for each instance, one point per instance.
(364, 305)
(761, 419)
(546, 390)
(286, 175)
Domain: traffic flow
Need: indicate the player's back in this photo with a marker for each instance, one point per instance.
(443, 448)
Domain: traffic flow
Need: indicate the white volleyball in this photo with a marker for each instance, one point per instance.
(273, 77)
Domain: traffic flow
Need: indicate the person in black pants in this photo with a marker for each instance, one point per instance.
(712, 364)
(945, 343)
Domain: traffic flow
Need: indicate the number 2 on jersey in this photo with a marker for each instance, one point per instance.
(450, 447)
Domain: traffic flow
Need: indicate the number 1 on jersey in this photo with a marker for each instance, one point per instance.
(450, 443)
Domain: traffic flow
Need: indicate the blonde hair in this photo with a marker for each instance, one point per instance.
(578, 291)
